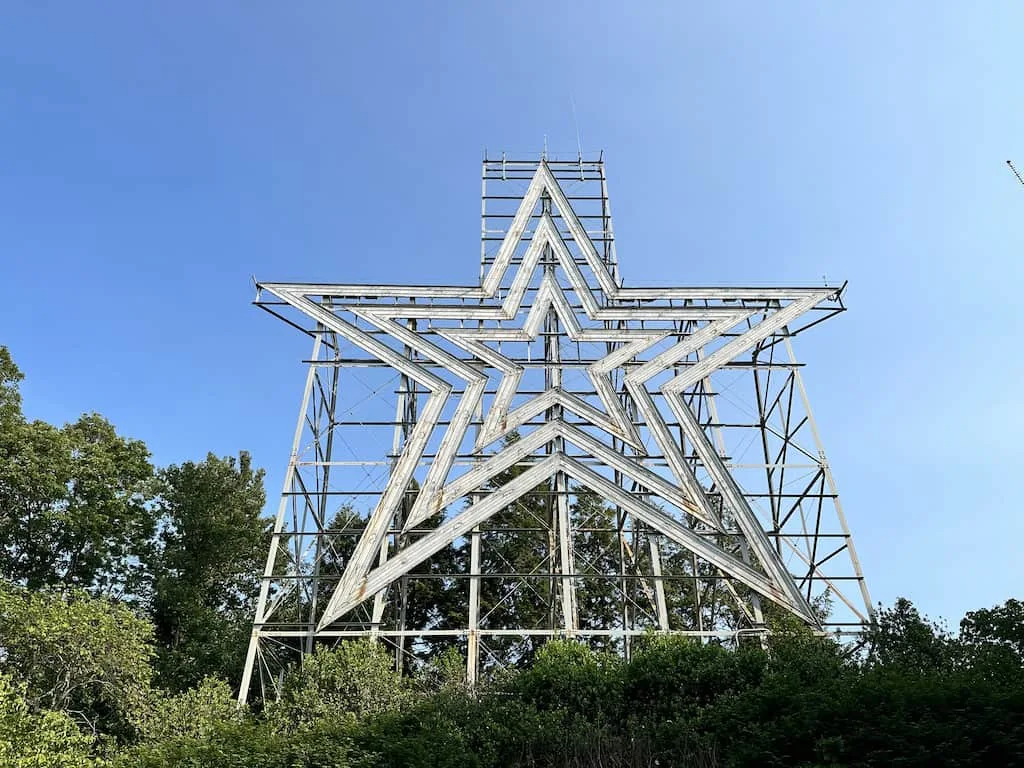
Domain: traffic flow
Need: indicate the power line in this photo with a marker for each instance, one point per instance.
(1015, 173)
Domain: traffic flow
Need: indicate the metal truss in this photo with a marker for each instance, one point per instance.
(550, 453)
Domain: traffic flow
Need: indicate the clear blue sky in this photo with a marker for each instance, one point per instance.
(154, 156)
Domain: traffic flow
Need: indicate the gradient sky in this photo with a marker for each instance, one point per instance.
(155, 156)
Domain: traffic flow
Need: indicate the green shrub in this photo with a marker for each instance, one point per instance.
(44, 740)
(352, 681)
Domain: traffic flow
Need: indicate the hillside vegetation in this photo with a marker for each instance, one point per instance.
(126, 593)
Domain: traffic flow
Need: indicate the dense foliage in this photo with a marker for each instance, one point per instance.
(204, 565)
(126, 592)
(801, 701)
(120, 583)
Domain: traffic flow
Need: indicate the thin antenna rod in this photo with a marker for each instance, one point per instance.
(1009, 163)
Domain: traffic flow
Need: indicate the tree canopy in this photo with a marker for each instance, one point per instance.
(205, 562)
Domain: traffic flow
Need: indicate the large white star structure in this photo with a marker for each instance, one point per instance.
(457, 331)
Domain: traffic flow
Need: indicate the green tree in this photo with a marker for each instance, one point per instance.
(352, 681)
(596, 544)
(107, 520)
(10, 397)
(901, 638)
(673, 678)
(34, 740)
(431, 602)
(196, 713)
(991, 642)
(251, 744)
(1002, 626)
(568, 675)
(73, 501)
(84, 656)
(208, 557)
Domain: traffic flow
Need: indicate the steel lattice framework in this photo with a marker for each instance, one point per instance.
(550, 453)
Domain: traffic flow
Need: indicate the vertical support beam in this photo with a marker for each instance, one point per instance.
(473, 628)
(697, 587)
(473, 634)
(560, 517)
(278, 531)
(654, 542)
(483, 222)
(620, 523)
(620, 537)
(619, 445)
(380, 599)
(609, 237)
(401, 539)
(755, 599)
(566, 555)
(320, 517)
